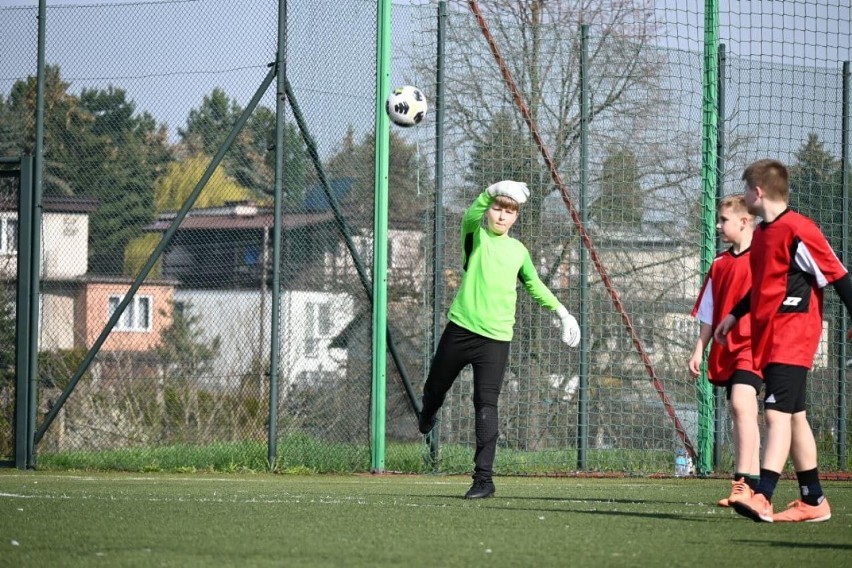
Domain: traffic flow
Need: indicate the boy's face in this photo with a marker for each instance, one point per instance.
(754, 200)
(731, 225)
(501, 219)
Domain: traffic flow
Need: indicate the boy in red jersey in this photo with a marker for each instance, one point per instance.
(731, 366)
(791, 263)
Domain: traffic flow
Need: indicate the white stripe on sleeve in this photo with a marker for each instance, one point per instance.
(705, 308)
(807, 263)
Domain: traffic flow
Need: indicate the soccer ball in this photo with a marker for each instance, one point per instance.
(406, 106)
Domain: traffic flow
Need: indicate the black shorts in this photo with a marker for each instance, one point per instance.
(741, 377)
(785, 387)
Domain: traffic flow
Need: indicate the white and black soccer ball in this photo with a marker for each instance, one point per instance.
(406, 106)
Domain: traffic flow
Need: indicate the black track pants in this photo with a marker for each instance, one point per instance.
(459, 347)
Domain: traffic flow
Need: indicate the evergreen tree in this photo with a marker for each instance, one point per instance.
(815, 187)
(620, 203)
(505, 151)
(409, 186)
(95, 145)
(64, 123)
(128, 152)
(182, 350)
(251, 158)
(8, 337)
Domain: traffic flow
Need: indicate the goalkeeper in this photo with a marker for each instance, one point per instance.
(482, 317)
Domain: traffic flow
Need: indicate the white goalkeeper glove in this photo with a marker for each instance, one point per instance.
(570, 328)
(516, 190)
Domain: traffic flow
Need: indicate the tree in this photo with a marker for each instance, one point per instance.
(129, 151)
(620, 203)
(170, 193)
(539, 40)
(95, 145)
(251, 158)
(171, 190)
(815, 186)
(63, 123)
(11, 128)
(182, 351)
(409, 187)
(185, 356)
(629, 107)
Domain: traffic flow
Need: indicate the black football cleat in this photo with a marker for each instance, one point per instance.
(480, 489)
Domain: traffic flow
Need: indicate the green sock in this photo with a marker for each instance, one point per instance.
(752, 480)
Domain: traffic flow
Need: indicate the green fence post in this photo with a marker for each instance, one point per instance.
(708, 213)
(719, 396)
(380, 238)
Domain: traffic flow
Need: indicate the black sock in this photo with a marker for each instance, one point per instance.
(809, 486)
(768, 481)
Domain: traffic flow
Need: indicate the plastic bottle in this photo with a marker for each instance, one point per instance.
(681, 463)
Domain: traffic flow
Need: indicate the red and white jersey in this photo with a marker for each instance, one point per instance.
(727, 281)
(791, 263)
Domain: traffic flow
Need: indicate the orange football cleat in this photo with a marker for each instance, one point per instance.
(800, 512)
(740, 491)
(757, 508)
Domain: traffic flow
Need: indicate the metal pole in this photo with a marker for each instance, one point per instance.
(35, 227)
(380, 237)
(844, 256)
(719, 398)
(152, 260)
(23, 337)
(583, 402)
(280, 102)
(438, 223)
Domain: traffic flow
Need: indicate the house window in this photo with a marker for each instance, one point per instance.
(318, 326)
(8, 236)
(137, 315)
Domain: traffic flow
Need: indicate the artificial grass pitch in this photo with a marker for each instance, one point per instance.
(111, 519)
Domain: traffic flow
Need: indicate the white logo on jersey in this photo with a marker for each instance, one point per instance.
(770, 399)
(791, 301)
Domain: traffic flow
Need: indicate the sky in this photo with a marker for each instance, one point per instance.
(169, 54)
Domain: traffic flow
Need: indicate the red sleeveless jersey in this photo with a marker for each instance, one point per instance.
(791, 263)
(727, 281)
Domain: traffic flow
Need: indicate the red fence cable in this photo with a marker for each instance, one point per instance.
(575, 216)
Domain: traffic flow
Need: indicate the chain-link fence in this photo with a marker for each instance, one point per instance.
(140, 97)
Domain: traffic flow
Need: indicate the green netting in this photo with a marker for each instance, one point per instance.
(140, 96)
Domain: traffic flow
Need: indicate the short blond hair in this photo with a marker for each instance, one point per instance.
(736, 203)
(771, 176)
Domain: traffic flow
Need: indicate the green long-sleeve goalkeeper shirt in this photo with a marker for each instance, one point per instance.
(493, 264)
